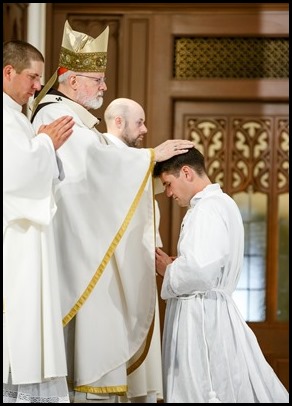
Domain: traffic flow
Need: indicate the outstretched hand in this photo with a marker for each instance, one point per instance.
(171, 148)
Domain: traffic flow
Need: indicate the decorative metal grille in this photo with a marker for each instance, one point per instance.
(253, 58)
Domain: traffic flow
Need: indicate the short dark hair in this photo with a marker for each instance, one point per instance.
(192, 158)
(20, 54)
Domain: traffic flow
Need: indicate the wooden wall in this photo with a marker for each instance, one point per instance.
(14, 21)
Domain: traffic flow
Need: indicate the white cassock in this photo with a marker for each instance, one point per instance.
(33, 338)
(106, 239)
(209, 352)
(145, 382)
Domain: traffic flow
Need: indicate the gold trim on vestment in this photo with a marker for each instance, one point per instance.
(117, 390)
(141, 357)
(85, 295)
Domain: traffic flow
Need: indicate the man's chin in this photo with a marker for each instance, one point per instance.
(139, 142)
(97, 104)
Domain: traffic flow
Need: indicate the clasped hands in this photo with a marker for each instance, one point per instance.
(161, 261)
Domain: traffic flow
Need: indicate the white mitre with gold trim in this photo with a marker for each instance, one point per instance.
(79, 53)
(82, 53)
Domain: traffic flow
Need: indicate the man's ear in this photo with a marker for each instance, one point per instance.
(187, 172)
(7, 70)
(118, 121)
(73, 82)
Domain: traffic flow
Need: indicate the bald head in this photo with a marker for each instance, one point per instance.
(125, 119)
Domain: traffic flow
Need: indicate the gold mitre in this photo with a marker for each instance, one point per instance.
(81, 52)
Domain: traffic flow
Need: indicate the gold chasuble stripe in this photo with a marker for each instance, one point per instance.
(140, 356)
(116, 390)
(72, 313)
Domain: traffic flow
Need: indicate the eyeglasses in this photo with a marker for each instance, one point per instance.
(98, 81)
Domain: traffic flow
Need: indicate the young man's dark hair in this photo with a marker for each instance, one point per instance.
(192, 158)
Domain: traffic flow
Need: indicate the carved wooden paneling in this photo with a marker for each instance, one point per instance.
(14, 21)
